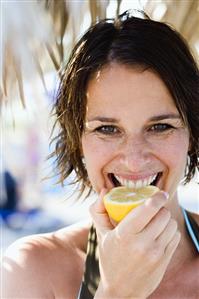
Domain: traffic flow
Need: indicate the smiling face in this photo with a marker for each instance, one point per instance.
(133, 134)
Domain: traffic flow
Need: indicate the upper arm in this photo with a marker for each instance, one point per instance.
(45, 266)
(23, 272)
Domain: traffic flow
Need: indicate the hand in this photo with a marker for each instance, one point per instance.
(134, 255)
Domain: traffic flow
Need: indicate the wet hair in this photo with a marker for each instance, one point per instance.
(132, 41)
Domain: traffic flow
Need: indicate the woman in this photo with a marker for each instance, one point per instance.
(128, 111)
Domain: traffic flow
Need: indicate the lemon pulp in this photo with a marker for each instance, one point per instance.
(121, 200)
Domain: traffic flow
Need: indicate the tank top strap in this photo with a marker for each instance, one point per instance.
(91, 274)
(192, 228)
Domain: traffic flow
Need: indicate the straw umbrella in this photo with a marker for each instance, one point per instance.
(37, 36)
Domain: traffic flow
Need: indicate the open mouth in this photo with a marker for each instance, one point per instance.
(151, 180)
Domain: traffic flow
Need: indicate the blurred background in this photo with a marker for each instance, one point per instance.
(36, 38)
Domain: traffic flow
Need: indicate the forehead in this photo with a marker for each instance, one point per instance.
(122, 88)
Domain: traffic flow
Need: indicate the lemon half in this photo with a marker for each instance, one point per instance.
(121, 200)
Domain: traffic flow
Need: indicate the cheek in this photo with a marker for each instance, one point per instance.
(96, 154)
(95, 149)
(174, 153)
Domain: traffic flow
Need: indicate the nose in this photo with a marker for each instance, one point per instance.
(136, 155)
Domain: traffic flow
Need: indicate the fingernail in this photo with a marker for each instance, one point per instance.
(166, 194)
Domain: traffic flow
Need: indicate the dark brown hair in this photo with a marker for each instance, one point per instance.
(130, 41)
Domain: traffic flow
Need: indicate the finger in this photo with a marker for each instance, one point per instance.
(171, 248)
(157, 224)
(168, 253)
(167, 235)
(139, 217)
(173, 244)
(99, 215)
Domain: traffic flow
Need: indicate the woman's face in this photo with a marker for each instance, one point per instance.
(134, 135)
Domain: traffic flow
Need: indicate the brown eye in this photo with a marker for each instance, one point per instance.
(159, 128)
(107, 130)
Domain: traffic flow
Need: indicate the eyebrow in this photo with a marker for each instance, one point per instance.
(165, 116)
(104, 119)
(154, 118)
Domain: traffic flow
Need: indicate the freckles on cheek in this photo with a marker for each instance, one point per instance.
(94, 153)
(95, 160)
(93, 146)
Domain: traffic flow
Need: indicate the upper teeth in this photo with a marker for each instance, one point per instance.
(138, 183)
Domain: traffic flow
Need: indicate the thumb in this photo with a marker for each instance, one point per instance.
(99, 214)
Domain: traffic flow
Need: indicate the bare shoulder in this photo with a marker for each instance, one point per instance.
(46, 265)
